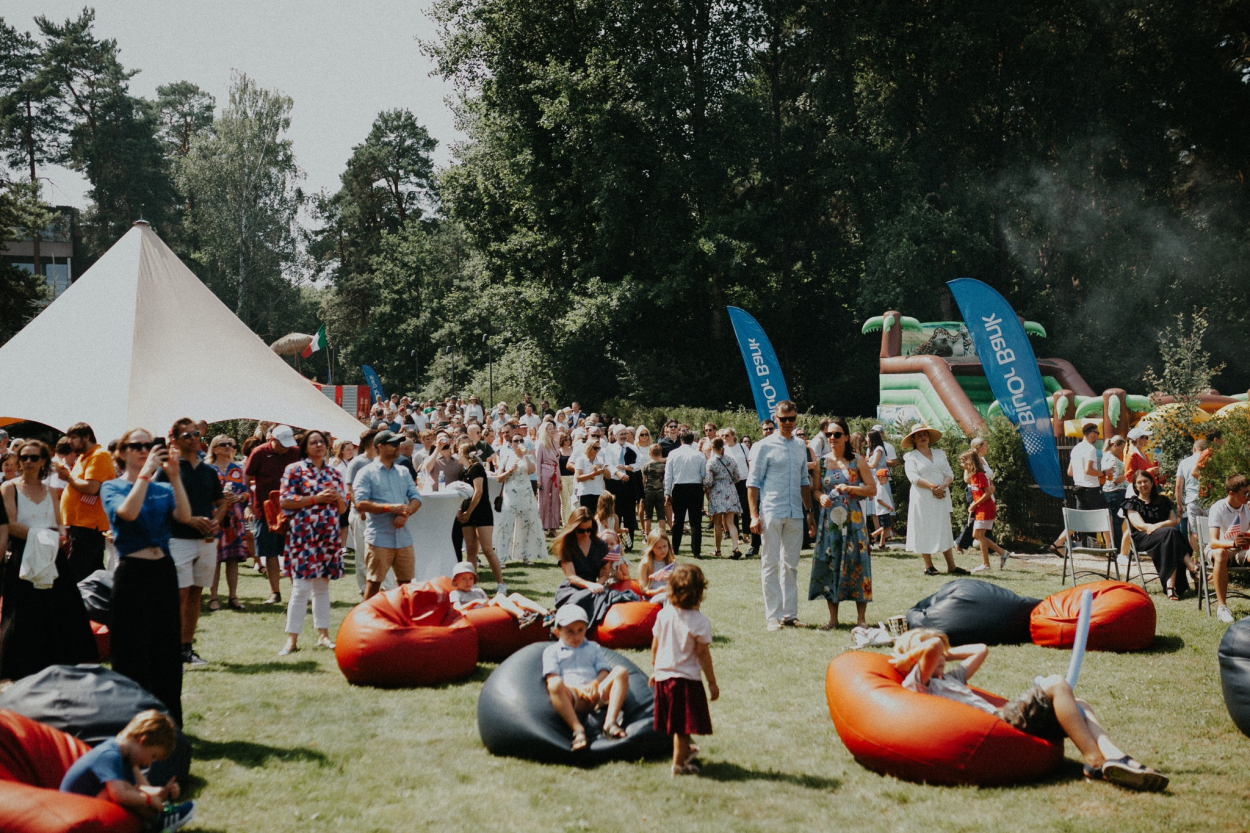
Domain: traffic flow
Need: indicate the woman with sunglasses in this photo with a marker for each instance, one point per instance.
(589, 475)
(234, 542)
(583, 558)
(42, 623)
(518, 529)
(841, 563)
(146, 632)
(476, 517)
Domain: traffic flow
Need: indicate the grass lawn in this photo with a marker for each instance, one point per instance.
(285, 744)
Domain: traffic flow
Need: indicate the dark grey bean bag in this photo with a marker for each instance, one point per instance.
(97, 596)
(515, 716)
(93, 704)
(1234, 656)
(969, 610)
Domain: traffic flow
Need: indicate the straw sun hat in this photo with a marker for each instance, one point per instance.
(921, 428)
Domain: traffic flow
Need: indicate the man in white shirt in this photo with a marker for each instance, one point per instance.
(529, 419)
(1229, 523)
(617, 483)
(1188, 506)
(1085, 471)
(684, 474)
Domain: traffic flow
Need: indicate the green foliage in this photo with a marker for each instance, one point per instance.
(22, 294)
(1187, 370)
(1229, 457)
(1013, 483)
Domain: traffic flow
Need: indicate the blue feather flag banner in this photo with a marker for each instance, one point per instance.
(375, 384)
(1011, 369)
(767, 383)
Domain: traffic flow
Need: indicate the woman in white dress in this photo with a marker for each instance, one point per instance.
(518, 529)
(929, 507)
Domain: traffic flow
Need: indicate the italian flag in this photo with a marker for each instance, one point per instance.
(319, 341)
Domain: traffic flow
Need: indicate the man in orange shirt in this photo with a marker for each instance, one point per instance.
(81, 508)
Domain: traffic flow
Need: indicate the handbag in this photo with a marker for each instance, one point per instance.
(276, 518)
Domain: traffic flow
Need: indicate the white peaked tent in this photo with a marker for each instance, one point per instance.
(139, 341)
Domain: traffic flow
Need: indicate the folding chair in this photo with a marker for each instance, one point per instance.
(1134, 557)
(1206, 591)
(1087, 522)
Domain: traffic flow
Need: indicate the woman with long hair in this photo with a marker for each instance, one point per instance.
(547, 456)
(841, 563)
(582, 555)
(234, 542)
(518, 529)
(564, 445)
(722, 496)
(877, 462)
(1156, 533)
(313, 495)
(43, 622)
(589, 474)
(476, 517)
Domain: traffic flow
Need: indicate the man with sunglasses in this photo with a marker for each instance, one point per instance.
(779, 491)
(387, 497)
(670, 441)
(193, 545)
(263, 470)
(81, 509)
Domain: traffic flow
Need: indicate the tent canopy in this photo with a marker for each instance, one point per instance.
(140, 341)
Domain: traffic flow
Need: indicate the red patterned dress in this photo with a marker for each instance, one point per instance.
(313, 546)
(232, 540)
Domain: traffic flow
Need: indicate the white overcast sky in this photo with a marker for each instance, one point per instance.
(341, 62)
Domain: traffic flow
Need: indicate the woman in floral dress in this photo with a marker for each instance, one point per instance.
(518, 530)
(841, 568)
(722, 495)
(234, 542)
(313, 496)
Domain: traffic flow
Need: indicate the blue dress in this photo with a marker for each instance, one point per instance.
(841, 567)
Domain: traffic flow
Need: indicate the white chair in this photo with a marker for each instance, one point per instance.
(1205, 590)
(1087, 522)
(1134, 557)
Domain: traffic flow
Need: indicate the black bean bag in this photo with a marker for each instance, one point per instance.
(515, 717)
(969, 610)
(93, 704)
(97, 596)
(1234, 656)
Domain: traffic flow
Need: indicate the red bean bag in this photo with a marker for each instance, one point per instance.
(33, 760)
(629, 585)
(627, 625)
(500, 635)
(922, 737)
(101, 639)
(1122, 617)
(409, 636)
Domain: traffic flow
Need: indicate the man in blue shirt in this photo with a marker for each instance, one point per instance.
(386, 496)
(778, 489)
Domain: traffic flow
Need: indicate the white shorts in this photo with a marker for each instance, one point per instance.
(986, 525)
(195, 559)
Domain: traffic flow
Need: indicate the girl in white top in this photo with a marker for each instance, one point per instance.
(657, 564)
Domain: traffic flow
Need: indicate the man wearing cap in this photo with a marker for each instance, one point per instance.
(1083, 466)
(263, 470)
(386, 495)
(778, 491)
(81, 509)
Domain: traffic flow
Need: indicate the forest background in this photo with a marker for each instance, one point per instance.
(630, 167)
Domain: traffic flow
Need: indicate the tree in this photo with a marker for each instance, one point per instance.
(184, 112)
(247, 200)
(22, 294)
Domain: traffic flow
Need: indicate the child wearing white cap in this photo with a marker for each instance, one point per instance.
(580, 679)
(466, 595)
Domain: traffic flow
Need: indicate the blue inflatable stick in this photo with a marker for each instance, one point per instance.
(1082, 636)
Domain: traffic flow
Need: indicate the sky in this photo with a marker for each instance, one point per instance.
(341, 62)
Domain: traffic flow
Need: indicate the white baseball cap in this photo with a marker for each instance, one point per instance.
(878, 427)
(569, 614)
(464, 568)
(1137, 432)
(284, 435)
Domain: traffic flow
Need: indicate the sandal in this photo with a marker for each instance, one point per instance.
(579, 741)
(214, 605)
(235, 604)
(614, 730)
(930, 571)
(736, 555)
(685, 769)
(1172, 594)
(828, 626)
(958, 571)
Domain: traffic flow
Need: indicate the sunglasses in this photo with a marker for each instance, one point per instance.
(833, 435)
(225, 445)
(139, 446)
(787, 419)
(30, 458)
(188, 435)
(585, 530)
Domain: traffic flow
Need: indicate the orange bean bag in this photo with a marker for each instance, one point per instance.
(922, 737)
(1122, 617)
(101, 639)
(409, 636)
(627, 625)
(33, 760)
(500, 635)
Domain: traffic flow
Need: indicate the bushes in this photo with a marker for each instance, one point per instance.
(1231, 457)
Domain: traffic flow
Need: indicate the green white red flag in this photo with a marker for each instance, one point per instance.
(319, 341)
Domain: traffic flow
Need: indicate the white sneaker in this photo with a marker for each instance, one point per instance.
(980, 568)
(774, 625)
(501, 589)
(1224, 615)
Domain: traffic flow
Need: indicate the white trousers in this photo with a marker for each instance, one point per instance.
(301, 589)
(780, 545)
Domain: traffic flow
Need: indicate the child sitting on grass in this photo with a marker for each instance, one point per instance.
(466, 595)
(579, 678)
(1047, 710)
(113, 772)
(681, 653)
(657, 564)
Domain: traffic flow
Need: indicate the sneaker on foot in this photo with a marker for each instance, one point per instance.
(501, 589)
(980, 568)
(1002, 559)
(1130, 774)
(1224, 615)
(175, 817)
(274, 599)
(193, 660)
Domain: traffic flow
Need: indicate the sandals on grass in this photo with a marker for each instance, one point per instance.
(579, 741)
(614, 730)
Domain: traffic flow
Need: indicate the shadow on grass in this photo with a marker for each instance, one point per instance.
(1165, 644)
(723, 771)
(251, 755)
(717, 639)
(306, 666)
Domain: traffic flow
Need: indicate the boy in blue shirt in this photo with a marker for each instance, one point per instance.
(113, 772)
(579, 678)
